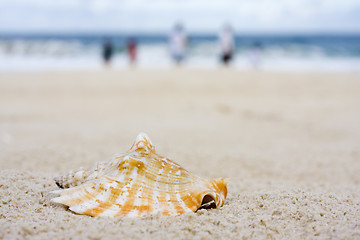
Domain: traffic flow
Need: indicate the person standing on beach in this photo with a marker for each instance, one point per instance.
(255, 55)
(131, 49)
(227, 44)
(108, 50)
(177, 44)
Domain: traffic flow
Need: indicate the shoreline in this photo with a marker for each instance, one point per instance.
(219, 68)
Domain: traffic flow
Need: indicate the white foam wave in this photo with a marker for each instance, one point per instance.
(74, 55)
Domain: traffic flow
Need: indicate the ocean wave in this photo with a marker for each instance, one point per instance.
(306, 54)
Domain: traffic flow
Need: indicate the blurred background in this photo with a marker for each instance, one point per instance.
(290, 35)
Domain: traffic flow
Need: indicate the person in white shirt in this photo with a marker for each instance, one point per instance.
(227, 44)
(255, 55)
(177, 44)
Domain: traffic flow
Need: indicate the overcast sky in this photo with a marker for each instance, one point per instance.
(249, 16)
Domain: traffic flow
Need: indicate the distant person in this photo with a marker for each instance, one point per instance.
(177, 44)
(108, 51)
(255, 55)
(131, 49)
(227, 45)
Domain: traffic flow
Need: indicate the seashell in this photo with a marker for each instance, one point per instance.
(138, 183)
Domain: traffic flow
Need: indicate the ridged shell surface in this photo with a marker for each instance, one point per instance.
(138, 183)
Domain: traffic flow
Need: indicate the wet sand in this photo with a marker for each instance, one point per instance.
(289, 142)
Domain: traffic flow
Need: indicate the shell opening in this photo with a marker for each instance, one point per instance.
(59, 185)
(208, 202)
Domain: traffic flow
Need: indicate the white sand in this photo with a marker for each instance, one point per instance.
(289, 142)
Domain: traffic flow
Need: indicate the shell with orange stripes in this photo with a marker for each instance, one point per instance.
(138, 183)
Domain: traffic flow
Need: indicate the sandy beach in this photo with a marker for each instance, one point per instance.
(289, 142)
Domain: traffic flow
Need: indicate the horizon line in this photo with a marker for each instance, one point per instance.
(162, 33)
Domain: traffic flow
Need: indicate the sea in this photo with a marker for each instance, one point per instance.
(46, 52)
